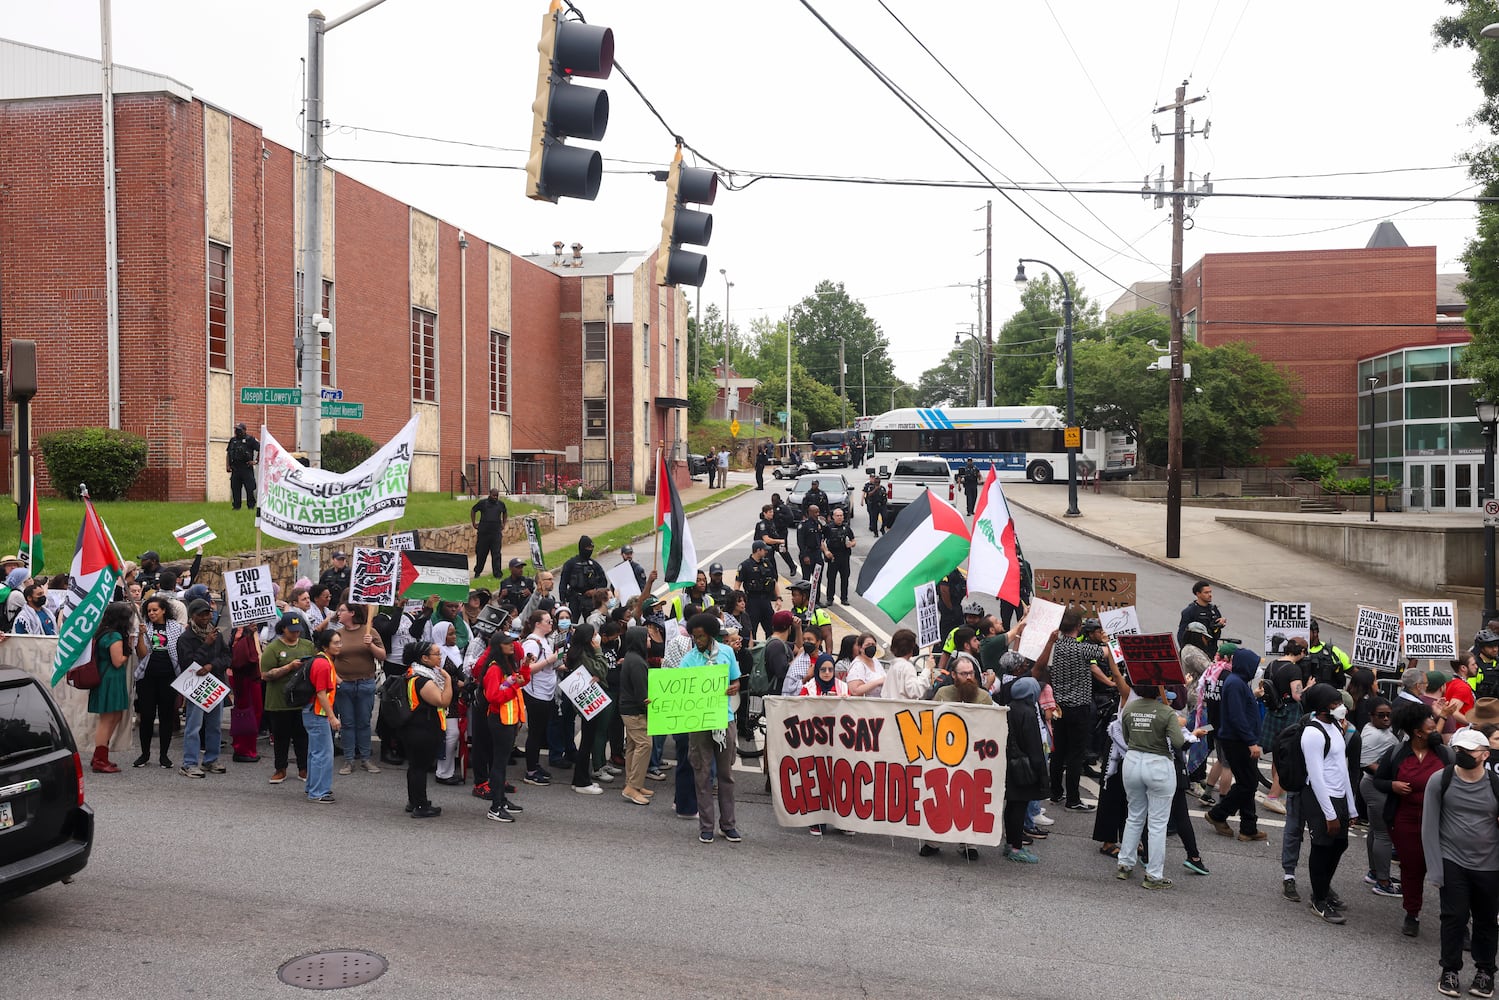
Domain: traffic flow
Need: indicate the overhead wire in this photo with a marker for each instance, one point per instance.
(1083, 66)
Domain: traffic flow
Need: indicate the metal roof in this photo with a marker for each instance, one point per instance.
(28, 72)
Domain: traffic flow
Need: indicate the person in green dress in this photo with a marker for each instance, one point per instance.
(110, 700)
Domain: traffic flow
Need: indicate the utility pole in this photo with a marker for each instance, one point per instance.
(1174, 423)
(842, 394)
(988, 372)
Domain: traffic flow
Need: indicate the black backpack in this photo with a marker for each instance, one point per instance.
(1290, 762)
(1493, 783)
(395, 703)
(1269, 691)
(1325, 668)
(299, 690)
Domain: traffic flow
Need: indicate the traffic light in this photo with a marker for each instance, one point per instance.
(563, 110)
(685, 225)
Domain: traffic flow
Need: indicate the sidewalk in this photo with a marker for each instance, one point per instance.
(1236, 559)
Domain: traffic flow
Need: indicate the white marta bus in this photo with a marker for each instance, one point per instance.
(1022, 442)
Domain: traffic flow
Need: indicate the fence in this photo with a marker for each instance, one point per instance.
(546, 474)
(748, 413)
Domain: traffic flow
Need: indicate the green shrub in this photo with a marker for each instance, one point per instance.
(701, 393)
(1358, 485)
(108, 461)
(343, 450)
(1315, 467)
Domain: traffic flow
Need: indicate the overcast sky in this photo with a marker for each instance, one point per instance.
(1335, 86)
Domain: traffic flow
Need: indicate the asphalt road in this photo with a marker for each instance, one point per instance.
(203, 888)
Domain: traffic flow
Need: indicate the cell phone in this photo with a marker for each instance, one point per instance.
(1207, 727)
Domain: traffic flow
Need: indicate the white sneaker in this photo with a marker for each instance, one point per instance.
(1274, 804)
(588, 789)
(1043, 820)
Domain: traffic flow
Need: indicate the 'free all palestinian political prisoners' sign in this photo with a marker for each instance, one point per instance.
(1430, 629)
(903, 768)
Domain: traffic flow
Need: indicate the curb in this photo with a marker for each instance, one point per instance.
(1157, 560)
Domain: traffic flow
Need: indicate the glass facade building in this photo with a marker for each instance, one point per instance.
(1425, 433)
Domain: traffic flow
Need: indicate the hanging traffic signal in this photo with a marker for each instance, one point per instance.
(685, 225)
(563, 110)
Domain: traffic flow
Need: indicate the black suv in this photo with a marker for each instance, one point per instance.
(46, 829)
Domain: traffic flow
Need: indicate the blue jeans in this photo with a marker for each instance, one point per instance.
(197, 722)
(319, 754)
(658, 752)
(1149, 784)
(355, 705)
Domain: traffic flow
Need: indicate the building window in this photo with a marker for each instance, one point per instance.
(645, 422)
(423, 356)
(1189, 325)
(676, 354)
(328, 340)
(218, 306)
(595, 418)
(645, 343)
(594, 346)
(499, 372)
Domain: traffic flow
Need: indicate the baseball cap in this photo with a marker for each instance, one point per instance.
(1198, 627)
(627, 550)
(198, 607)
(340, 555)
(1470, 739)
(148, 554)
(291, 620)
(516, 564)
(718, 567)
(781, 620)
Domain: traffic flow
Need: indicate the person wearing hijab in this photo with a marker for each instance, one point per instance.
(446, 639)
(633, 688)
(825, 683)
(585, 652)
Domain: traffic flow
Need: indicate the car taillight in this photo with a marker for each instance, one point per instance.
(78, 771)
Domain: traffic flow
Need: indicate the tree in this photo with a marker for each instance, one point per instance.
(1480, 361)
(1025, 348)
(765, 351)
(701, 392)
(827, 318)
(948, 383)
(820, 406)
(709, 341)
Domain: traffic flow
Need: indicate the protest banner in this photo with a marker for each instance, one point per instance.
(1120, 621)
(687, 700)
(1089, 589)
(1429, 629)
(374, 576)
(622, 579)
(1376, 639)
(207, 692)
(400, 541)
(1286, 621)
(1040, 622)
(300, 504)
(249, 596)
(533, 537)
(889, 766)
(928, 619)
(583, 690)
(1152, 659)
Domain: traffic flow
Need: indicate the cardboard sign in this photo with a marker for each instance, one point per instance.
(583, 690)
(1152, 659)
(1430, 629)
(374, 576)
(889, 766)
(533, 537)
(1040, 622)
(1286, 621)
(687, 700)
(1120, 621)
(207, 692)
(1089, 589)
(622, 579)
(400, 541)
(1376, 639)
(249, 596)
(928, 618)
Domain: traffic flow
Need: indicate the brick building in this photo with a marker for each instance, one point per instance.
(577, 363)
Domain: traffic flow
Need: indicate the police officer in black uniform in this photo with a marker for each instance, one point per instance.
(837, 546)
(969, 477)
(581, 575)
(874, 502)
(517, 588)
(240, 458)
(761, 585)
(717, 589)
(769, 530)
(816, 498)
(809, 540)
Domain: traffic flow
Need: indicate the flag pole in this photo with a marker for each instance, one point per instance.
(656, 528)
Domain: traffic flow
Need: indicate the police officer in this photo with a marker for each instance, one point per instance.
(627, 554)
(837, 546)
(813, 620)
(969, 477)
(240, 457)
(717, 589)
(517, 588)
(784, 516)
(816, 497)
(581, 576)
(336, 577)
(487, 518)
(1328, 663)
(874, 502)
(761, 585)
(767, 530)
(809, 541)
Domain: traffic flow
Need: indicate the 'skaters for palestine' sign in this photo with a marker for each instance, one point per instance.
(1430, 629)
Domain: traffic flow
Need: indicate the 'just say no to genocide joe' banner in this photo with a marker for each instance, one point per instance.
(902, 768)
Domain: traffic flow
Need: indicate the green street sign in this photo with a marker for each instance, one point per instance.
(251, 395)
(781, 416)
(343, 411)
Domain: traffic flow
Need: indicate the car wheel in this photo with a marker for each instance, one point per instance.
(1039, 472)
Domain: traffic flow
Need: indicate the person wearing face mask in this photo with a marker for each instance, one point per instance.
(800, 665)
(1376, 740)
(585, 654)
(34, 618)
(1327, 800)
(1461, 842)
(866, 675)
(1402, 778)
(580, 577)
(561, 736)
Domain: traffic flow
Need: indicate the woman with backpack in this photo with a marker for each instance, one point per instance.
(428, 692)
(318, 717)
(1281, 690)
(1402, 778)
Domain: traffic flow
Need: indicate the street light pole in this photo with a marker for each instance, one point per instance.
(1373, 381)
(1020, 281)
(1487, 412)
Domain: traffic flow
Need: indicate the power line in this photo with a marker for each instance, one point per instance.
(1089, 77)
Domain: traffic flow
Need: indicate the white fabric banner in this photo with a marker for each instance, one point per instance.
(298, 504)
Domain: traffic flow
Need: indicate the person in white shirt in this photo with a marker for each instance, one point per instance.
(1327, 800)
(866, 676)
(901, 678)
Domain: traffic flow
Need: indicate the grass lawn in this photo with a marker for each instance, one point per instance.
(712, 433)
(138, 525)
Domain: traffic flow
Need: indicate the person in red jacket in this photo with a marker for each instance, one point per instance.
(503, 678)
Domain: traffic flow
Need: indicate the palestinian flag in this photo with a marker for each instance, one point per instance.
(433, 574)
(678, 555)
(96, 568)
(993, 559)
(928, 541)
(31, 535)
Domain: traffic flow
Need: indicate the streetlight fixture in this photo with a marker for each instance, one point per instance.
(1020, 282)
(863, 382)
(1487, 412)
(1373, 381)
(978, 351)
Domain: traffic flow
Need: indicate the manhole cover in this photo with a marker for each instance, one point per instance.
(332, 970)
